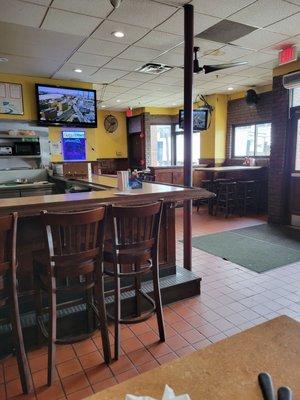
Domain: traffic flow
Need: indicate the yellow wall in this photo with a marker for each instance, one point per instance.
(99, 143)
(287, 68)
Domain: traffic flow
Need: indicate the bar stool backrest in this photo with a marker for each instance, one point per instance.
(74, 242)
(8, 264)
(135, 229)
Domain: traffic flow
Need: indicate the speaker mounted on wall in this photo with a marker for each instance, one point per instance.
(252, 98)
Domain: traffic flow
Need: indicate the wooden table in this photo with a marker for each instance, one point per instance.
(226, 370)
(230, 168)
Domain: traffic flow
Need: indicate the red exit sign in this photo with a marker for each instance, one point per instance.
(287, 55)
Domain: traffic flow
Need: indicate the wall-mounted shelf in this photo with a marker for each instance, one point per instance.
(12, 156)
(17, 137)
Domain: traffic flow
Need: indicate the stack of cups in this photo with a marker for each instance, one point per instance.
(123, 180)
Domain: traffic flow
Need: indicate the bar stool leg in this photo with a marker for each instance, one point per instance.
(99, 295)
(157, 298)
(117, 312)
(52, 332)
(19, 341)
(137, 291)
(38, 310)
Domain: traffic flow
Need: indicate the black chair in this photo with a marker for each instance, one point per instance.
(226, 202)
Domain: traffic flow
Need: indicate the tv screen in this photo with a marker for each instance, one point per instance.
(65, 106)
(200, 119)
(74, 145)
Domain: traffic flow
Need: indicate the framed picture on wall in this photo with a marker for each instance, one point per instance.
(11, 98)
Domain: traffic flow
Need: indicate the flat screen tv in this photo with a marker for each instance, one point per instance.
(66, 106)
(200, 119)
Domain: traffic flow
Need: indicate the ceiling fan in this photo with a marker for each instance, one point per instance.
(212, 68)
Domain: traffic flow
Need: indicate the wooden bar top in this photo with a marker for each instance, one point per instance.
(27, 206)
(226, 370)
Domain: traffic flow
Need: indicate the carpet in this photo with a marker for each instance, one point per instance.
(258, 248)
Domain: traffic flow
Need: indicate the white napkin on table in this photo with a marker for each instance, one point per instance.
(169, 394)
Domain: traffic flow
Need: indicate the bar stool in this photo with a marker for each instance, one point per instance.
(74, 256)
(205, 184)
(130, 253)
(226, 198)
(8, 293)
(247, 192)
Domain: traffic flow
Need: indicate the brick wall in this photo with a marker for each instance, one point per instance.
(278, 159)
(238, 112)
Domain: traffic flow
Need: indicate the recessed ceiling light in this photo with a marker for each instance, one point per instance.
(118, 34)
(103, 106)
(118, 101)
(78, 70)
(3, 59)
(230, 88)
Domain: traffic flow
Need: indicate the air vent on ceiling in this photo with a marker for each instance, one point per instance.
(154, 69)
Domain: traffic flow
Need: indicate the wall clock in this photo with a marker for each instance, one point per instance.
(110, 123)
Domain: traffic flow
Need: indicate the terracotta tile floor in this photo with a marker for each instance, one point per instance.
(233, 299)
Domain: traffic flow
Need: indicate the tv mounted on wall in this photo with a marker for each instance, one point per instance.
(200, 119)
(66, 106)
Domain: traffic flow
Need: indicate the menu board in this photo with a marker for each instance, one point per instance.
(74, 145)
(11, 99)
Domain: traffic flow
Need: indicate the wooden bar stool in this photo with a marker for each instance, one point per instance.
(74, 256)
(247, 192)
(8, 293)
(227, 198)
(131, 252)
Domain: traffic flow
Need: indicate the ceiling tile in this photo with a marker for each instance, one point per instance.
(67, 72)
(206, 46)
(175, 24)
(139, 77)
(68, 22)
(264, 12)
(32, 66)
(288, 26)
(126, 83)
(255, 58)
(171, 58)
(45, 3)
(220, 8)
(102, 47)
(94, 8)
(32, 42)
(260, 39)
(269, 65)
(293, 1)
(107, 75)
(229, 53)
(17, 12)
(160, 41)
(139, 54)
(132, 33)
(125, 65)
(255, 72)
(144, 13)
(91, 59)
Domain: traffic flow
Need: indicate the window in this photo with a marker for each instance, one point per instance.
(252, 140)
(295, 97)
(167, 145)
(180, 146)
(161, 153)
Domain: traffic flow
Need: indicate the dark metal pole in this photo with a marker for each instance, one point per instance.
(188, 131)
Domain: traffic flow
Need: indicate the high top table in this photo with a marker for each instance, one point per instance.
(226, 370)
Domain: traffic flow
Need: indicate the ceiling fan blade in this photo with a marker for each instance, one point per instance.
(213, 68)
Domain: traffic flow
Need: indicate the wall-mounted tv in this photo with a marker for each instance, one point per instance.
(66, 106)
(200, 119)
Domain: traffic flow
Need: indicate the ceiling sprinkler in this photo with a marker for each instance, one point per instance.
(115, 3)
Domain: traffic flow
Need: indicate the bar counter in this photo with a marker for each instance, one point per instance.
(226, 370)
(176, 283)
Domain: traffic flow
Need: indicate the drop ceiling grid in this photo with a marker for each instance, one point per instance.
(275, 28)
